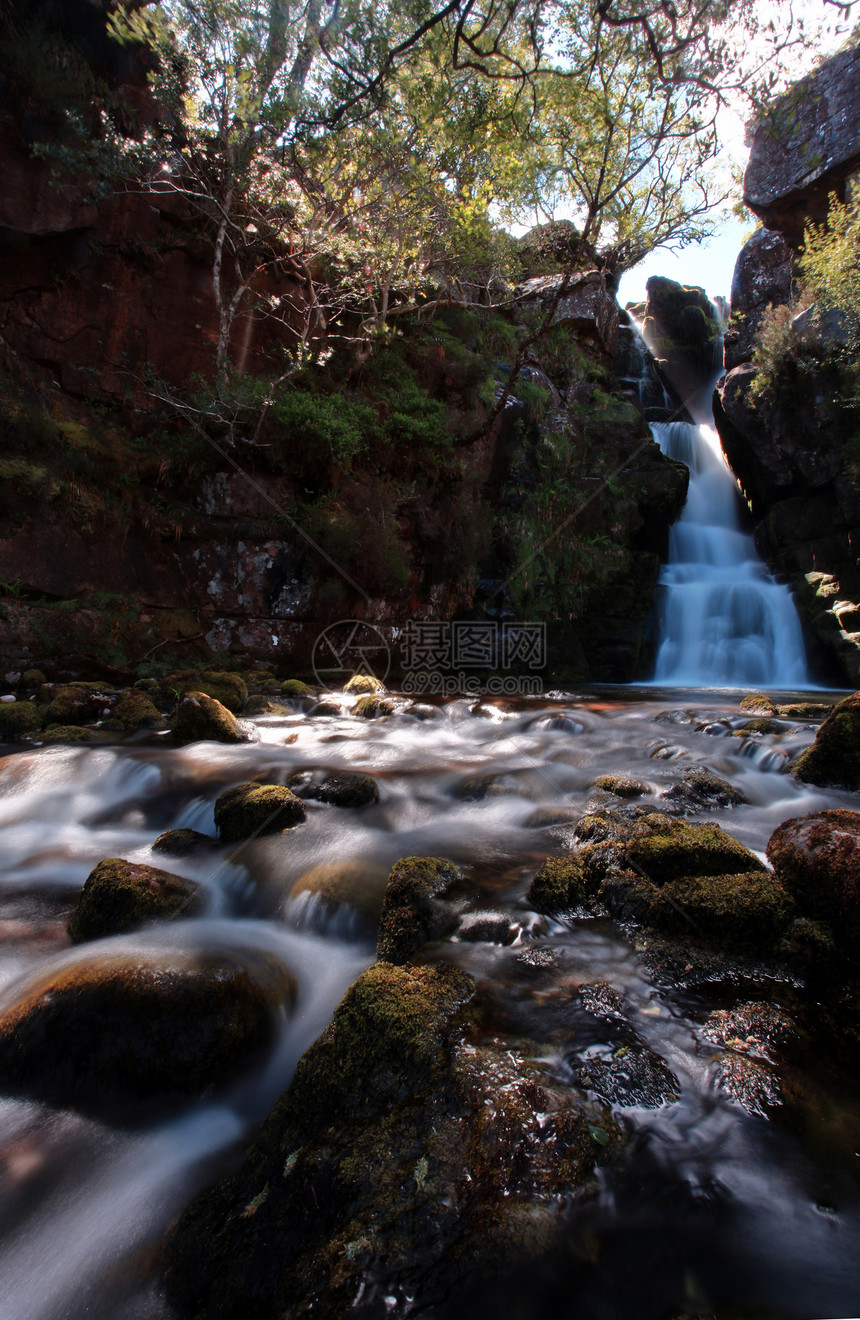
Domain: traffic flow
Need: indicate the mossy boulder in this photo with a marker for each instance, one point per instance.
(181, 843)
(127, 1027)
(32, 680)
(230, 689)
(338, 789)
(17, 720)
(371, 707)
(760, 726)
(833, 760)
(73, 703)
(421, 1160)
(817, 857)
(559, 885)
(118, 896)
(663, 849)
(357, 884)
(621, 785)
(296, 689)
(72, 733)
(758, 703)
(200, 718)
(412, 910)
(135, 710)
(700, 788)
(256, 809)
(742, 911)
(362, 684)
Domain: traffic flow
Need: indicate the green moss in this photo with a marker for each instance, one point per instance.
(361, 684)
(17, 719)
(135, 710)
(758, 726)
(32, 679)
(664, 849)
(256, 809)
(758, 703)
(72, 733)
(229, 689)
(371, 707)
(118, 896)
(200, 718)
(295, 688)
(411, 912)
(833, 760)
(71, 703)
(559, 885)
(621, 785)
(747, 910)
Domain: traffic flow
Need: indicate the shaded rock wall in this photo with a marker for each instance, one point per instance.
(788, 452)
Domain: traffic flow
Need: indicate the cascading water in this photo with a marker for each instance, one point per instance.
(724, 620)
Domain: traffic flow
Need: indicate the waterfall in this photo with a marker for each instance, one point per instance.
(724, 620)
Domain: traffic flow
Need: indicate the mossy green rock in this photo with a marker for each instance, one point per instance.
(134, 1026)
(664, 849)
(73, 703)
(759, 703)
(621, 785)
(748, 911)
(135, 710)
(32, 679)
(230, 689)
(817, 857)
(200, 718)
(118, 896)
(180, 843)
(397, 1160)
(361, 684)
(833, 760)
(256, 809)
(296, 689)
(371, 707)
(17, 720)
(412, 912)
(72, 733)
(559, 885)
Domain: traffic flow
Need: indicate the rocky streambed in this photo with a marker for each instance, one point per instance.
(385, 1008)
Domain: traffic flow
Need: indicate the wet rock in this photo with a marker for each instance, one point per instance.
(262, 705)
(135, 710)
(138, 1026)
(833, 760)
(424, 712)
(544, 817)
(700, 788)
(621, 785)
(181, 843)
(762, 727)
(358, 884)
(632, 1075)
(364, 684)
(339, 789)
(17, 720)
(805, 710)
(256, 809)
(762, 278)
(118, 896)
(757, 1028)
(603, 1000)
(487, 928)
(200, 718)
(664, 849)
(558, 886)
(422, 1158)
(296, 689)
(328, 707)
(758, 703)
(413, 910)
(372, 706)
(230, 689)
(739, 911)
(32, 680)
(817, 858)
(669, 752)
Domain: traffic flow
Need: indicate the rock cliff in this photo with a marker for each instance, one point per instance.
(790, 447)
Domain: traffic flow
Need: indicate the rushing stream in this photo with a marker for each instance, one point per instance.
(712, 1205)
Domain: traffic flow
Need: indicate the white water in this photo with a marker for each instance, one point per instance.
(724, 621)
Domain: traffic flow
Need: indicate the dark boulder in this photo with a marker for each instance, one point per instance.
(256, 809)
(118, 896)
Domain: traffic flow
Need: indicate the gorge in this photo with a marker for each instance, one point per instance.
(496, 956)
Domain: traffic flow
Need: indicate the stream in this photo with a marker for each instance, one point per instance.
(712, 1205)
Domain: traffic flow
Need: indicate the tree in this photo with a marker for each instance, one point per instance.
(830, 264)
